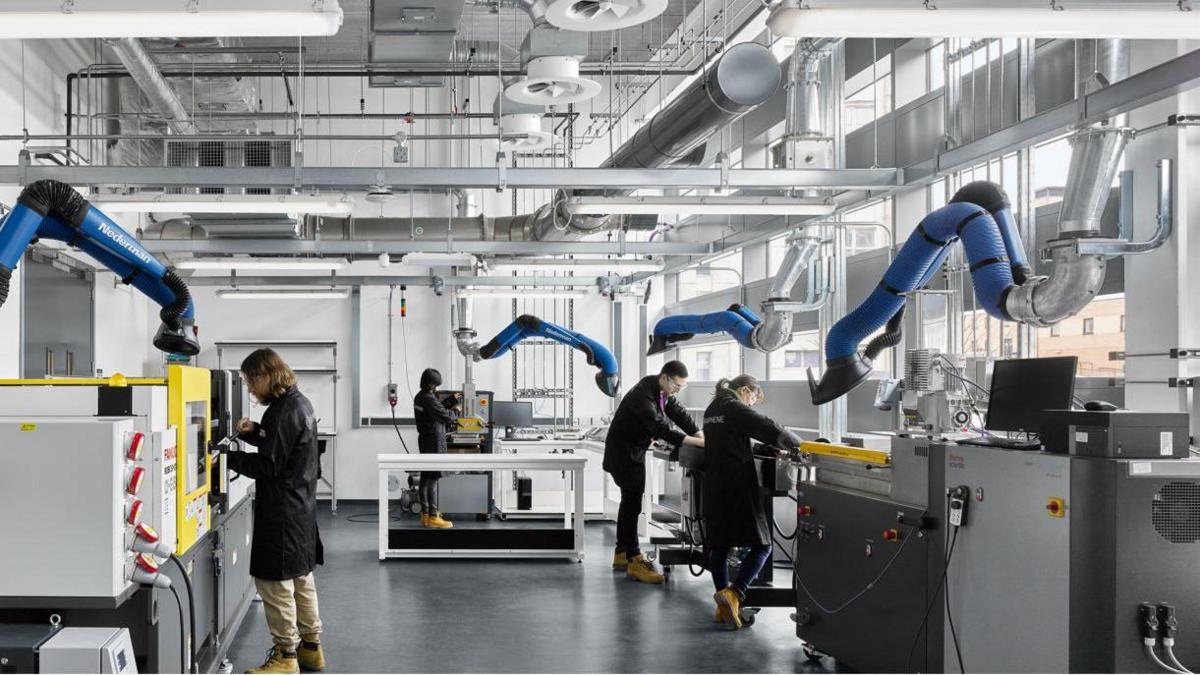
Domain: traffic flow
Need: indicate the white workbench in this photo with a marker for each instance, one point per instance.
(545, 502)
(571, 466)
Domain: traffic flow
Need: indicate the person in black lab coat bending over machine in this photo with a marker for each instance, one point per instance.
(644, 415)
(732, 500)
(434, 420)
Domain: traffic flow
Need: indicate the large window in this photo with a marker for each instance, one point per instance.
(868, 104)
(935, 66)
(864, 238)
(711, 361)
(719, 274)
(792, 361)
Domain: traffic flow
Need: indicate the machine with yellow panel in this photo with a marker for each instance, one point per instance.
(173, 416)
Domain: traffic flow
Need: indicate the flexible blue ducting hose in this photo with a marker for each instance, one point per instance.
(527, 326)
(993, 248)
(737, 321)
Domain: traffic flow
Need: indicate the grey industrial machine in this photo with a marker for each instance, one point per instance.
(88, 650)
(469, 494)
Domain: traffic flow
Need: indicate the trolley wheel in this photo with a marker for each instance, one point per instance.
(812, 654)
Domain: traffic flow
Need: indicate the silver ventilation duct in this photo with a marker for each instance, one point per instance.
(776, 328)
(1095, 157)
(746, 76)
(145, 73)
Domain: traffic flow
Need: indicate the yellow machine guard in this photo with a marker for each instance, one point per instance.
(188, 392)
(863, 455)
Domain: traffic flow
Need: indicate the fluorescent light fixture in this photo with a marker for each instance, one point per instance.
(913, 20)
(586, 265)
(719, 205)
(420, 259)
(30, 19)
(317, 205)
(283, 294)
(326, 264)
(524, 293)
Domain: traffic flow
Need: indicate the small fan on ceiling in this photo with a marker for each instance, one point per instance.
(552, 80)
(599, 15)
(523, 133)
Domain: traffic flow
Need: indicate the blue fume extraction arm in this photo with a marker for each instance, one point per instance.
(769, 332)
(49, 209)
(529, 326)
(979, 215)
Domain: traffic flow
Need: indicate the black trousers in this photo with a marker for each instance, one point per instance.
(632, 482)
(427, 491)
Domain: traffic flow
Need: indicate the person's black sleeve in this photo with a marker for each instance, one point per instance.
(273, 448)
(759, 427)
(680, 416)
(439, 411)
(449, 402)
(655, 426)
(254, 436)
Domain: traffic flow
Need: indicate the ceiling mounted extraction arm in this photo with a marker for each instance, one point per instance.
(768, 333)
(49, 209)
(528, 326)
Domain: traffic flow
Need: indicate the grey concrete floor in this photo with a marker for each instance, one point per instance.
(519, 616)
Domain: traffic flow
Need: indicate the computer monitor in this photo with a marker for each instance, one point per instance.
(517, 414)
(1022, 388)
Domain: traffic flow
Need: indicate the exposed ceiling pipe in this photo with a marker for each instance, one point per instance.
(1096, 151)
(145, 73)
(746, 76)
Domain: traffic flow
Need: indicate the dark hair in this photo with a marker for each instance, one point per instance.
(266, 363)
(674, 369)
(737, 383)
(431, 378)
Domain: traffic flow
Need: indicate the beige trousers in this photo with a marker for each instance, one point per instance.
(291, 610)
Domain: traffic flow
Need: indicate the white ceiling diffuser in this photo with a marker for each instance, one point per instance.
(526, 132)
(597, 15)
(552, 80)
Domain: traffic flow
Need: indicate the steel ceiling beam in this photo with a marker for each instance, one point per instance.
(450, 281)
(208, 247)
(344, 177)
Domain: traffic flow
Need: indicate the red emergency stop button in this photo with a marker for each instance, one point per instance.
(805, 510)
(891, 535)
(1056, 507)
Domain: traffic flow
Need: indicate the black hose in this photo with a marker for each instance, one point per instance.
(889, 338)
(171, 313)
(183, 654)
(187, 581)
(5, 281)
(396, 426)
(52, 197)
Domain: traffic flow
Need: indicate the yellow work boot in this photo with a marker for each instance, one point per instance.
(620, 562)
(437, 522)
(721, 615)
(642, 570)
(310, 655)
(278, 661)
(424, 520)
(728, 599)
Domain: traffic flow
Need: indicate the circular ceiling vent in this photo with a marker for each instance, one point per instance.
(530, 127)
(596, 15)
(552, 80)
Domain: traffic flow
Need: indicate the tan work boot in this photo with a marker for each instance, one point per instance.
(310, 655)
(620, 562)
(278, 661)
(437, 522)
(721, 615)
(424, 520)
(729, 600)
(642, 570)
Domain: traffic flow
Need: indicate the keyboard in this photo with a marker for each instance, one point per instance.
(996, 442)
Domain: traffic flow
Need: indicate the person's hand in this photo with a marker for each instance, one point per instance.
(245, 426)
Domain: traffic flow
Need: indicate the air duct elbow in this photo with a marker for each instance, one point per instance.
(1075, 282)
(774, 332)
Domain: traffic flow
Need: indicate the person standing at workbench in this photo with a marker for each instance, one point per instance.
(644, 414)
(287, 546)
(733, 510)
(434, 421)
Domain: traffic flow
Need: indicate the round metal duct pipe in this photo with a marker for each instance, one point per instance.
(745, 77)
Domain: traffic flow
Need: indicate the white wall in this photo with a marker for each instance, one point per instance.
(46, 63)
(423, 339)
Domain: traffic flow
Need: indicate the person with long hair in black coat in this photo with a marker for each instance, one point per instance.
(434, 420)
(732, 501)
